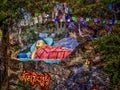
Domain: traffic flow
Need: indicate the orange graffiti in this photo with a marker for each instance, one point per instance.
(43, 79)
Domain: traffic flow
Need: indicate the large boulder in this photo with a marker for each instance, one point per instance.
(61, 73)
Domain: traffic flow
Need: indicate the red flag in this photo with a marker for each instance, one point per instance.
(79, 19)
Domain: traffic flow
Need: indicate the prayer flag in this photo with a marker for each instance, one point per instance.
(79, 19)
(95, 20)
(82, 19)
(111, 21)
(116, 21)
(110, 6)
(66, 17)
(61, 20)
(87, 19)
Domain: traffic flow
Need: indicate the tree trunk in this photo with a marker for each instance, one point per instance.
(5, 54)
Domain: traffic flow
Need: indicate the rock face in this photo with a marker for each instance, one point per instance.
(71, 74)
(84, 51)
(85, 80)
(57, 72)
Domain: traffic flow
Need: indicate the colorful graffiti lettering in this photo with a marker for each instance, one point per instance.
(33, 78)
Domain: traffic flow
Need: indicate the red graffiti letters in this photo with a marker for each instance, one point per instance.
(33, 78)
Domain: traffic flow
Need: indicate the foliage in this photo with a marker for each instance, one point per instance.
(32, 6)
(22, 86)
(29, 35)
(91, 8)
(109, 47)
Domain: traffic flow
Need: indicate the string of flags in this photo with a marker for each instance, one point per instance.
(66, 19)
(38, 18)
(83, 20)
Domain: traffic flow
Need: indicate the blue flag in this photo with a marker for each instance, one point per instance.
(110, 6)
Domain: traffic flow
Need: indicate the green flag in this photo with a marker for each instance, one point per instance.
(116, 21)
(61, 20)
(104, 21)
(90, 19)
(74, 19)
(87, 19)
(37, 14)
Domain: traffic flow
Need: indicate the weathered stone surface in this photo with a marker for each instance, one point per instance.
(83, 52)
(56, 71)
(84, 80)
